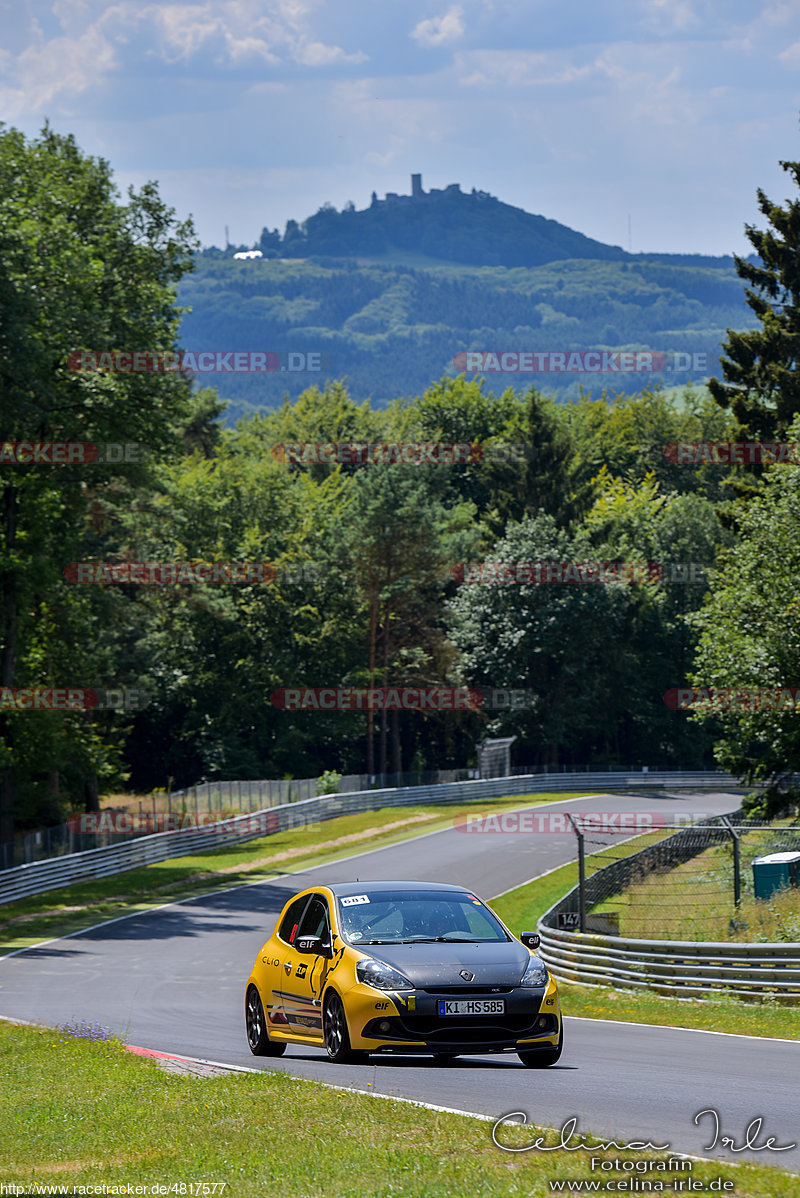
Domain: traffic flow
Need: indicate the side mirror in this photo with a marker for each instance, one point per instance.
(312, 945)
(530, 939)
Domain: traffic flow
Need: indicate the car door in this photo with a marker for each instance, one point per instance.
(278, 962)
(304, 973)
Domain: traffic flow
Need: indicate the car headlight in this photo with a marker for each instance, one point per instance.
(535, 974)
(380, 975)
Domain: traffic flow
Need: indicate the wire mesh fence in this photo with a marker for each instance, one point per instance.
(697, 883)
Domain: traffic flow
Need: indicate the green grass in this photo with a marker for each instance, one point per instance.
(74, 1113)
(718, 1014)
(72, 908)
(522, 907)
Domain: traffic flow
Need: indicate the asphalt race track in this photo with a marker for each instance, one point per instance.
(173, 980)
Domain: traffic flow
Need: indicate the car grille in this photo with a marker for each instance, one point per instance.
(484, 990)
(467, 1029)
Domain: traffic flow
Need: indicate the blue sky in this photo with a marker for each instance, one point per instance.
(249, 112)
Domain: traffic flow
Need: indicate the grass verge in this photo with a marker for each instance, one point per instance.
(520, 909)
(79, 1113)
(59, 912)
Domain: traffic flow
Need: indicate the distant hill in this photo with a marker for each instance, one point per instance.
(390, 329)
(472, 229)
(444, 225)
(389, 297)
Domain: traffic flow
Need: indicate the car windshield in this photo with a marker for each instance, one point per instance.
(416, 916)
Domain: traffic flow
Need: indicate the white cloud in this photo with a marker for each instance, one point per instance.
(763, 32)
(674, 15)
(315, 54)
(519, 68)
(242, 48)
(790, 57)
(61, 66)
(182, 29)
(97, 40)
(437, 31)
(275, 32)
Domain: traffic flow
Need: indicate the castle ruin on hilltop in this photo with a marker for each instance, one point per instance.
(419, 196)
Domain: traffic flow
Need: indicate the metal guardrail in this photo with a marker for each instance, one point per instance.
(228, 798)
(225, 799)
(681, 968)
(677, 968)
(25, 880)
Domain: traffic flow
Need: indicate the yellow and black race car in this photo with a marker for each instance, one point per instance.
(411, 967)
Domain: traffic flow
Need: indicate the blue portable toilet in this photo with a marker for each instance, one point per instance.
(776, 871)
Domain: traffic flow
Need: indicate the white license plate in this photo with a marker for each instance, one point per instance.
(472, 1006)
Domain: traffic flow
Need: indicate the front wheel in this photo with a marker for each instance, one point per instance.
(334, 1030)
(256, 1024)
(540, 1058)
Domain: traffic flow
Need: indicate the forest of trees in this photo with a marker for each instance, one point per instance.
(367, 559)
(391, 328)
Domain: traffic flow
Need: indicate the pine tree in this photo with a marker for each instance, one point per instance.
(762, 386)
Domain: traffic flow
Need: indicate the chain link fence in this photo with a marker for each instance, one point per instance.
(694, 884)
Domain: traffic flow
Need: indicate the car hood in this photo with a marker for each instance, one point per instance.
(498, 963)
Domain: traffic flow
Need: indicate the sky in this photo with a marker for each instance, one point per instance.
(648, 124)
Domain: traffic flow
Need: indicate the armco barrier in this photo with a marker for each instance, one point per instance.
(39, 876)
(679, 968)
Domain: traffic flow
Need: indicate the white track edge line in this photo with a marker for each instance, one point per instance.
(671, 1027)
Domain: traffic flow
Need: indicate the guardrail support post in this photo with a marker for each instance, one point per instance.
(581, 875)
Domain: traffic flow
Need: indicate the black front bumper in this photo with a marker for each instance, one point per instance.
(523, 1020)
